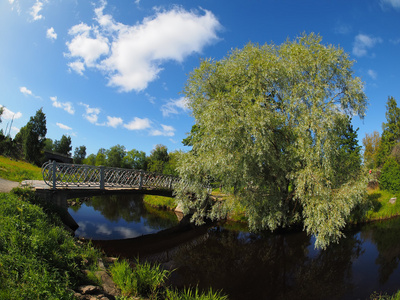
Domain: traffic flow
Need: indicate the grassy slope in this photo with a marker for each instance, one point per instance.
(381, 207)
(18, 170)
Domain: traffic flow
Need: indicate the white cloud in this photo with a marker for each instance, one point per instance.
(35, 10)
(393, 3)
(363, 43)
(114, 121)
(24, 90)
(62, 126)
(174, 106)
(372, 74)
(9, 115)
(91, 113)
(166, 131)
(67, 106)
(138, 124)
(87, 44)
(77, 66)
(133, 55)
(51, 34)
(27, 92)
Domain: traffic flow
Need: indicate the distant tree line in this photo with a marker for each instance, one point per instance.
(30, 143)
(382, 151)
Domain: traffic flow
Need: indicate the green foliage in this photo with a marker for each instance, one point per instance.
(38, 258)
(90, 160)
(115, 156)
(63, 146)
(135, 159)
(79, 154)
(32, 137)
(101, 157)
(390, 175)
(391, 131)
(267, 116)
(144, 279)
(371, 144)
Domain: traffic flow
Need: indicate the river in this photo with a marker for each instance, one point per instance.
(242, 264)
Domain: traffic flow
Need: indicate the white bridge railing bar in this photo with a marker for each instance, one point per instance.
(62, 175)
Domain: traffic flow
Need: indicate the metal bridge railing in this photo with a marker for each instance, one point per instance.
(72, 175)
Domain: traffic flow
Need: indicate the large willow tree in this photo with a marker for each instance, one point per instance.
(266, 119)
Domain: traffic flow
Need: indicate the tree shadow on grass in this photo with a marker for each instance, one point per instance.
(375, 204)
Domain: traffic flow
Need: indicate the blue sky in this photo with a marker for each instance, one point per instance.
(112, 72)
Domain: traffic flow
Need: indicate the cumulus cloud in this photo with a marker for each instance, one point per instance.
(132, 56)
(166, 131)
(87, 45)
(9, 115)
(62, 126)
(35, 10)
(67, 106)
(363, 43)
(91, 113)
(174, 106)
(114, 121)
(51, 34)
(138, 124)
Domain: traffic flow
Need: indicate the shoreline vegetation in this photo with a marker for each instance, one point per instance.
(34, 244)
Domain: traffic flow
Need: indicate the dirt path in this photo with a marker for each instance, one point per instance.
(6, 185)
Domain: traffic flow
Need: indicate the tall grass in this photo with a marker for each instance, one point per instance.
(38, 258)
(144, 279)
(18, 170)
(194, 294)
(147, 280)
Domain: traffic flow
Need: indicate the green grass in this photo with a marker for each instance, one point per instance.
(39, 259)
(18, 170)
(144, 279)
(149, 281)
(381, 208)
(160, 201)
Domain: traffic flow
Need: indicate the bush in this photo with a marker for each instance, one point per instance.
(390, 175)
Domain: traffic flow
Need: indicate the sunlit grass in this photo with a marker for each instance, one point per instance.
(160, 201)
(381, 207)
(39, 259)
(18, 170)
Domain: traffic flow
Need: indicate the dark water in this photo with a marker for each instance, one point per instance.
(266, 266)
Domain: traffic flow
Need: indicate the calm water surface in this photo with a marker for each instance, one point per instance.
(258, 266)
(119, 217)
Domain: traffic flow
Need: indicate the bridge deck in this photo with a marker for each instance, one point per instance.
(79, 191)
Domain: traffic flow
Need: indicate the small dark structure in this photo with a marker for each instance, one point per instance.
(58, 157)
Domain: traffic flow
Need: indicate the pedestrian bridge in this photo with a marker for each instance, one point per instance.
(72, 176)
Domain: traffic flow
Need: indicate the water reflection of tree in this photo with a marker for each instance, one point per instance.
(130, 207)
(274, 267)
(385, 235)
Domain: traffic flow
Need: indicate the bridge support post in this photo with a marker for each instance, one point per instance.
(54, 174)
(102, 177)
(141, 180)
